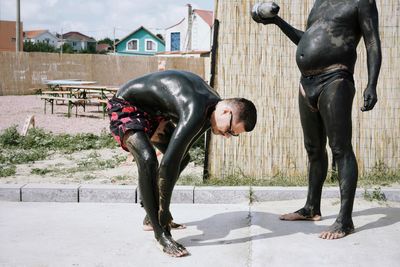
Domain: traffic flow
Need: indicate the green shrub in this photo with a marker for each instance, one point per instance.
(7, 170)
(10, 137)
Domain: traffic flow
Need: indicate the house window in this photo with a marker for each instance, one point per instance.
(175, 41)
(73, 43)
(133, 45)
(151, 45)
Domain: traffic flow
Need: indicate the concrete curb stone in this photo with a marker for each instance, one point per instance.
(49, 193)
(221, 194)
(10, 192)
(107, 193)
(181, 194)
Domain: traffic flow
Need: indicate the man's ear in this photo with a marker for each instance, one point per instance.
(226, 110)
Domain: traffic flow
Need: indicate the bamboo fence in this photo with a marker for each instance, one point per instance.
(257, 62)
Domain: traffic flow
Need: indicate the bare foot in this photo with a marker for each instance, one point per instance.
(337, 230)
(177, 226)
(171, 247)
(332, 235)
(298, 217)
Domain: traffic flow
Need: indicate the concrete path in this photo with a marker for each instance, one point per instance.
(109, 234)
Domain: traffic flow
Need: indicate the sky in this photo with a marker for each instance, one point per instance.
(99, 18)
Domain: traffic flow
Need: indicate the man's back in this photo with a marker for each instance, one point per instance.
(331, 37)
(170, 93)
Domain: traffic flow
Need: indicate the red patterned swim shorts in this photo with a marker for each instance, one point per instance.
(126, 117)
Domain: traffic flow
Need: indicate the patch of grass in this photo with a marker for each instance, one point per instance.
(38, 138)
(190, 180)
(38, 144)
(91, 163)
(89, 177)
(20, 156)
(121, 177)
(376, 194)
(239, 179)
(7, 170)
(197, 155)
(39, 171)
(380, 175)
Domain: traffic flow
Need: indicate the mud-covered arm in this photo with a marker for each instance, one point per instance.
(368, 20)
(169, 168)
(292, 33)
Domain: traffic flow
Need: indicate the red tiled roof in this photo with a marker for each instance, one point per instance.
(102, 47)
(206, 15)
(77, 36)
(33, 34)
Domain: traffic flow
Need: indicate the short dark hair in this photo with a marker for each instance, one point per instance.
(247, 112)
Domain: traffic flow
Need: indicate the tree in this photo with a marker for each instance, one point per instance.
(106, 41)
(67, 49)
(38, 47)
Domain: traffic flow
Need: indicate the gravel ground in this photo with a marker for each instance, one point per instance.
(15, 109)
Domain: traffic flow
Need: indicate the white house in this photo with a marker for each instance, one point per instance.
(192, 33)
(41, 36)
(78, 41)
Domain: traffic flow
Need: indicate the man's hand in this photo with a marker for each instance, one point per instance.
(370, 99)
(265, 13)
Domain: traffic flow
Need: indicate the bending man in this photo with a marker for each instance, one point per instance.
(170, 110)
(326, 55)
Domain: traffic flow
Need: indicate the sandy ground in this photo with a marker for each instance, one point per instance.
(14, 110)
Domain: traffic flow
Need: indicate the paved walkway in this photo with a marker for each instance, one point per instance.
(109, 234)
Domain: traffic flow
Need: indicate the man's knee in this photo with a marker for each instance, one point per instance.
(339, 151)
(315, 152)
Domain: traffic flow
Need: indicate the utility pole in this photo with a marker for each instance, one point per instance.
(17, 29)
(190, 25)
(62, 41)
(114, 40)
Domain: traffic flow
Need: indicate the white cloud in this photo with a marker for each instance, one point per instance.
(98, 18)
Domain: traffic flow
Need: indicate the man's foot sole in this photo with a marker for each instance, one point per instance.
(298, 217)
(175, 226)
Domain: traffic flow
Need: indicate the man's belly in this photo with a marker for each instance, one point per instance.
(320, 50)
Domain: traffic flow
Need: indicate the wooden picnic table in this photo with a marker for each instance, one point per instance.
(55, 84)
(99, 91)
(79, 95)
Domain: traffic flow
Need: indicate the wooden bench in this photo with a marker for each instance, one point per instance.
(71, 102)
(102, 102)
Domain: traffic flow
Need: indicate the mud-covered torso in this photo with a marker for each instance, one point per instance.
(177, 95)
(331, 36)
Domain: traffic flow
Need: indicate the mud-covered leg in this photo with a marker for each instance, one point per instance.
(161, 140)
(146, 159)
(315, 143)
(336, 104)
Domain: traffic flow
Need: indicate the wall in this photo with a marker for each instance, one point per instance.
(7, 35)
(258, 62)
(21, 71)
(201, 34)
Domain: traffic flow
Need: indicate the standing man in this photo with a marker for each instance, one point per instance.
(326, 55)
(170, 110)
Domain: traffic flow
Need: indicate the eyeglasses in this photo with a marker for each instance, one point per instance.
(229, 131)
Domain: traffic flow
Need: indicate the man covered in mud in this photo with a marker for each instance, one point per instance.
(170, 110)
(326, 55)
